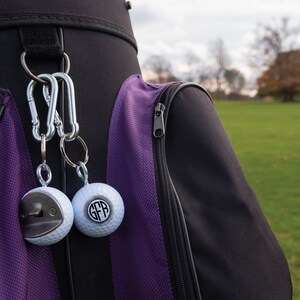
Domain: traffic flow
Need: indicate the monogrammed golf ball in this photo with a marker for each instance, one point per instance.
(98, 209)
(56, 208)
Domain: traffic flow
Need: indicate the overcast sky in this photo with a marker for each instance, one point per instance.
(173, 27)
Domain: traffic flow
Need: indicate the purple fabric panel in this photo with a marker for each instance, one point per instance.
(139, 263)
(26, 271)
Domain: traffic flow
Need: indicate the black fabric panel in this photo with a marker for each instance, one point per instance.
(235, 253)
(41, 42)
(93, 10)
(99, 65)
(114, 11)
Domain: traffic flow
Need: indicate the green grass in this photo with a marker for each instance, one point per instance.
(266, 138)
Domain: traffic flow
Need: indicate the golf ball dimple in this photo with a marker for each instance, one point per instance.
(98, 209)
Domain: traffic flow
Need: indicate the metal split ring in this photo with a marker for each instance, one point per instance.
(36, 78)
(65, 156)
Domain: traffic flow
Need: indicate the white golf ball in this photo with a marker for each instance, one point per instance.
(98, 209)
(66, 210)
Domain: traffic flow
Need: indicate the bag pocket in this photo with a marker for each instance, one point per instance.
(26, 271)
(223, 239)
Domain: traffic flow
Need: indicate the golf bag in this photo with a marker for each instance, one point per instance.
(192, 227)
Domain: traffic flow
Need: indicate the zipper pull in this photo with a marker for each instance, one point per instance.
(159, 122)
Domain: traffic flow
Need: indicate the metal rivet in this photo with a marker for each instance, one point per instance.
(128, 5)
(52, 211)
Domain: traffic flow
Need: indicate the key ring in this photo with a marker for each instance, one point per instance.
(65, 156)
(36, 78)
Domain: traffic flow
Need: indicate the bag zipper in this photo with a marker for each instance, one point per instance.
(175, 230)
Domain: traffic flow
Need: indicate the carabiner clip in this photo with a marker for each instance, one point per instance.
(51, 111)
(72, 135)
(57, 119)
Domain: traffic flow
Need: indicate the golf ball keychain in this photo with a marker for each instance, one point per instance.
(98, 207)
(46, 214)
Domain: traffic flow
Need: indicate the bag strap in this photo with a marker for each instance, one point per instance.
(41, 42)
(8, 20)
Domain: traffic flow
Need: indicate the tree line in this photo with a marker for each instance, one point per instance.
(274, 55)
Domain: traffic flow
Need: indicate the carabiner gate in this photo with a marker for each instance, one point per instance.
(51, 111)
(72, 135)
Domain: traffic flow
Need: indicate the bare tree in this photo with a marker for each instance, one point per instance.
(205, 76)
(192, 62)
(235, 81)
(221, 59)
(160, 66)
(270, 40)
(275, 53)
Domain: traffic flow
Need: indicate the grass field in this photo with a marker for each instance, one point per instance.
(266, 137)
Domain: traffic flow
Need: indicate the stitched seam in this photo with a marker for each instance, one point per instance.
(75, 18)
(11, 19)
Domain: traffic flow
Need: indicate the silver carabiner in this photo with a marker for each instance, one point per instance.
(51, 111)
(57, 119)
(72, 135)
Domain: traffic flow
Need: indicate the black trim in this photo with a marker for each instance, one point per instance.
(166, 200)
(187, 243)
(66, 20)
(191, 84)
(183, 273)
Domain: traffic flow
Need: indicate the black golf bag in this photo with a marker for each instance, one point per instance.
(192, 227)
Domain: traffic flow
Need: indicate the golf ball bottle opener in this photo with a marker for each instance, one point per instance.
(46, 214)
